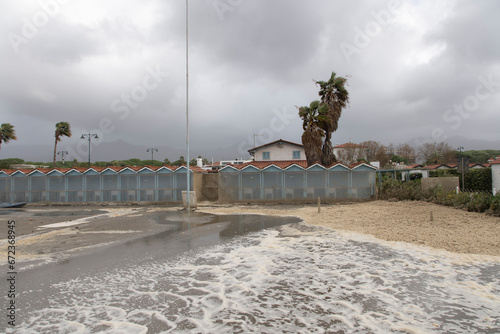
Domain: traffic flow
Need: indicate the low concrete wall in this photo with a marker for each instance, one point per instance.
(198, 184)
(495, 176)
(193, 203)
(444, 182)
(210, 188)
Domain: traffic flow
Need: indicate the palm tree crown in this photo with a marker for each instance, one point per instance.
(334, 94)
(7, 133)
(63, 129)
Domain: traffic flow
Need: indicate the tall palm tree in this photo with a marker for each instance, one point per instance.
(62, 129)
(335, 97)
(312, 118)
(7, 133)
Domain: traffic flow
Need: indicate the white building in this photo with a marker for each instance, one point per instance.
(219, 164)
(416, 169)
(279, 150)
(350, 153)
(495, 174)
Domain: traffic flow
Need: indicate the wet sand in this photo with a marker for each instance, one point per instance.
(449, 229)
(46, 232)
(160, 275)
(43, 233)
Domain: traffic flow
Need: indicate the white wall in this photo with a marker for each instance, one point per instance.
(495, 171)
(349, 155)
(280, 153)
(424, 172)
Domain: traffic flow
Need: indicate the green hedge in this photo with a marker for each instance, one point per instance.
(478, 180)
(5, 163)
(475, 201)
(475, 179)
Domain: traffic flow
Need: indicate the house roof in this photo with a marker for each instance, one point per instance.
(252, 150)
(472, 164)
(414, 166)
(282, 164)
(494, 162)
(98, 169)
(453, 165)
(349, 145)
(436, 166)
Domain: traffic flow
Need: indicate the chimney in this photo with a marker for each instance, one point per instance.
(199, 162)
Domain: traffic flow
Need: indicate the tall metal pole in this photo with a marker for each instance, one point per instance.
(152, 149)
(90, 136)
(256, 135)
(89, 150)
(187, 107)
(62, 153)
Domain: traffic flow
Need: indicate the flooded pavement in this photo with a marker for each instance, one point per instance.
(49, 213)
(244, 274)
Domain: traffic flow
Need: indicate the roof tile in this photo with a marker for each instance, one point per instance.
(349, 145)
(275, 142)
(82, 170)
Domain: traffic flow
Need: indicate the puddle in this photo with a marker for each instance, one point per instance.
(48, 213)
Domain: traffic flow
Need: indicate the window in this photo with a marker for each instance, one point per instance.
(296, 154)
(266, 155)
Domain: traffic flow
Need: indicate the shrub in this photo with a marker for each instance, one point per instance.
(461, 200)
(5, 163)
(479, 202)
(475, 202)
(495, 205)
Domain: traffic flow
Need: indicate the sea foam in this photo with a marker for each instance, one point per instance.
(288, 279)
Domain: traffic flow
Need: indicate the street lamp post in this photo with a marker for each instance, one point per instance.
(188, 204)
(62, 153)
(256, 135)
(89, 136)
(152, 150)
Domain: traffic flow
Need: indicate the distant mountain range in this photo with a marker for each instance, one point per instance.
(116, 150)
(122, 150)
(467, 143)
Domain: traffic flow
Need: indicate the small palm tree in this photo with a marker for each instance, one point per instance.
(7, 133)
(62, 129)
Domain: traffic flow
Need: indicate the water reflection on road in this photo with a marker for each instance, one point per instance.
(239, 274)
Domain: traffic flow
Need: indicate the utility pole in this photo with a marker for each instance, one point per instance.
(62, 153)
(89, 136)
(152, 150)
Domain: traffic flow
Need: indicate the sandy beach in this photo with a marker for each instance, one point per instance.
(450, 229)
(153, 268)
(79, 229)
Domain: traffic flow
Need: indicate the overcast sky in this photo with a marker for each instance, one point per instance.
(419, 71)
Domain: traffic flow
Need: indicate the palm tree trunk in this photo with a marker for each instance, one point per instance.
(312, 140)
(328, 157)
(55, 150)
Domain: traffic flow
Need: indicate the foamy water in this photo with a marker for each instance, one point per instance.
(290, 279)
